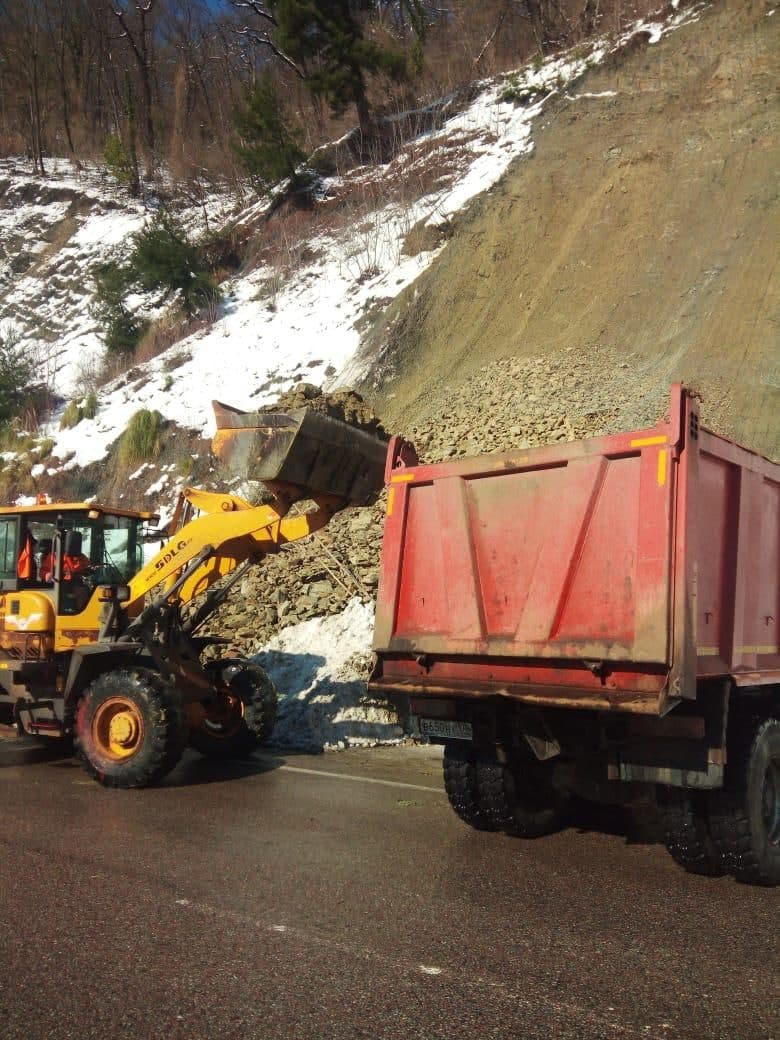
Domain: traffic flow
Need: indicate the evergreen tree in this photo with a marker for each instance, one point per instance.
(164, 258)
(16, 373)
(326, 38)
(267, 148)
(121, 329)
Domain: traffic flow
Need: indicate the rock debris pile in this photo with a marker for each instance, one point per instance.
(510, 403)
(345, 405)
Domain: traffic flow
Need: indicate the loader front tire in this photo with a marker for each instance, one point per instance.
(241, 717)
(129, 728)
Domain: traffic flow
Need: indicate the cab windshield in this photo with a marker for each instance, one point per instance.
(111, 544)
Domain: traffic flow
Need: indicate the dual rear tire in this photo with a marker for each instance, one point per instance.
(736, 829)
(516, 797)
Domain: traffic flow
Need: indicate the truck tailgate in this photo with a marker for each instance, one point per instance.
(548, 568)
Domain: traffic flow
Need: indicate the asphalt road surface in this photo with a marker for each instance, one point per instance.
(338, 896)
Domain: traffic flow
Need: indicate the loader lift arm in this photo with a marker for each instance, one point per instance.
(234, 531)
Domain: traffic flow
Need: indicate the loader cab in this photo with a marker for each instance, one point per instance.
(65, 551)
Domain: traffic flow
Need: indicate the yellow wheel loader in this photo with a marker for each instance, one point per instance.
(100, 647)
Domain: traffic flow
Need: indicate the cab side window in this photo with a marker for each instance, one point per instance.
(9, 552)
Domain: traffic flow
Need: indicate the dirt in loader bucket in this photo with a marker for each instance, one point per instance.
(328, 444)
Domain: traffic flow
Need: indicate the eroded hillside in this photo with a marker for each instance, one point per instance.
(641, 238)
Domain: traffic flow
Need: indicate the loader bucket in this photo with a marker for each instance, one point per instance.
(312, 451)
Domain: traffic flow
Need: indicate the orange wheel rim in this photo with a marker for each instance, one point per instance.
(222, 718)
(118, 728)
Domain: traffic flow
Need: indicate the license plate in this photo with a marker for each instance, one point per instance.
(446, 728)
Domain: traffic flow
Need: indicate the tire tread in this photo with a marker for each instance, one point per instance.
(728, 815)
(165, 725)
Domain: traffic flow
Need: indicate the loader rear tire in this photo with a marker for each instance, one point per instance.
(518, 797)
(242, 718)
(460, 783)
(745, 814)
(687, 835)
(129, 728)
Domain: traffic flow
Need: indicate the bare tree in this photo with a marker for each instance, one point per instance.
(22, 45)
(259, 30)
(139, 39)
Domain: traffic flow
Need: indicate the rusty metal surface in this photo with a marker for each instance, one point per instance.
(304, 448)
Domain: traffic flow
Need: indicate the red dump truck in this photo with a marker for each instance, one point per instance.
(598, 618)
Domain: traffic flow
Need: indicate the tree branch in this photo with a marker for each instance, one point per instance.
(493, 35)
(264, 40)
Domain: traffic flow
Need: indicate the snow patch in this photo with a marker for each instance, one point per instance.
(319, 668)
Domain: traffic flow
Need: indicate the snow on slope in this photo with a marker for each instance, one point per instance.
(257, 348)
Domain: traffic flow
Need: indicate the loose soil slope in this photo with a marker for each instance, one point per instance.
(640, 240)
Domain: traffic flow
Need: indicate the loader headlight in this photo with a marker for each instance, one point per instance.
(118, 593)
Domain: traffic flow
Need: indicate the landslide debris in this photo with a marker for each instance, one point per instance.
(346, 405)
(643, 227)
(509, 403)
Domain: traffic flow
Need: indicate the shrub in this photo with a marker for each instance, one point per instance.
(142, 440)
(90, 405)
(518, 93)
(16, 372)
(160, 334)
(119, 164)
(44, 448)
(72, 416)
(164, 258)
(76, 411)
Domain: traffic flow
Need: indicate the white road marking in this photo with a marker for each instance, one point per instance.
(362, 779)
(476, 983)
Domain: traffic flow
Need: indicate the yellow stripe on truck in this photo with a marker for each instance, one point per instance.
(646, 442)
(662, 467)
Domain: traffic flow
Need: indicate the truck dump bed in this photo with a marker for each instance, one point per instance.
(610, 573)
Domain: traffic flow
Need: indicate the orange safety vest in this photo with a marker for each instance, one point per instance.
(24, 566)
(74, 565)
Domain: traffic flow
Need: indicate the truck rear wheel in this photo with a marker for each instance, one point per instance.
(687, 834)
(745, 814)
(129, 728)
(460, 783)
(519, 797)
(241, 717)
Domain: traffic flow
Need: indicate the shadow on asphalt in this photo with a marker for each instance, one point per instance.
(638, 824)
(194, 769)
(200, 770)
(23, 752)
